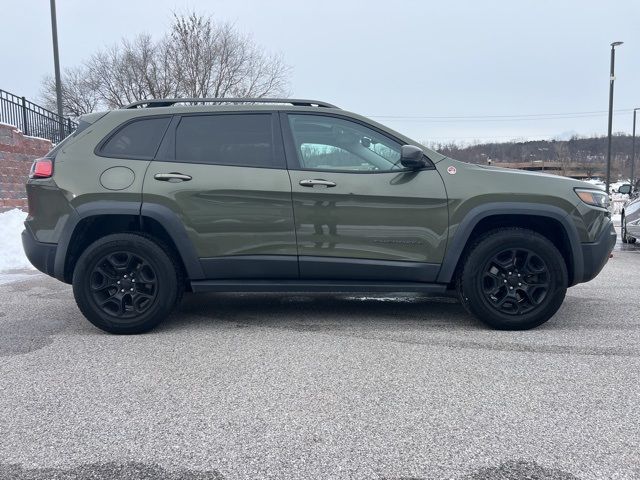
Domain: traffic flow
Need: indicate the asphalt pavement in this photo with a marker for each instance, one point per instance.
(322, 387)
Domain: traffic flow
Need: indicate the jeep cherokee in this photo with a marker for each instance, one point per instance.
(283, 195)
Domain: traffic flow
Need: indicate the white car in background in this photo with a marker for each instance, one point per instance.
(630, 214)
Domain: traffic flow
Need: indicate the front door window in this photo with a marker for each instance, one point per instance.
(334, 144)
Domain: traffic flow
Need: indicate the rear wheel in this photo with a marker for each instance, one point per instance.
(126, 283)
(513, 279)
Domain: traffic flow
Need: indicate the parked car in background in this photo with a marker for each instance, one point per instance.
(630, 215)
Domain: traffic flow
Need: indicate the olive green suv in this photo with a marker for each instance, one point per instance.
(281, 195)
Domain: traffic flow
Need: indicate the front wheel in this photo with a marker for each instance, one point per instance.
(513, 279)
(126, 283)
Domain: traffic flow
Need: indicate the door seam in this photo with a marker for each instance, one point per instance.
(293, 208)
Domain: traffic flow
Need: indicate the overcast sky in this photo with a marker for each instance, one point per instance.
(399, 61)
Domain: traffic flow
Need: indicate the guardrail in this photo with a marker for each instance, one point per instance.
(32, 119)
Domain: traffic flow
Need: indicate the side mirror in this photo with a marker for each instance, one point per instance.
(412, 157)
(625, 189)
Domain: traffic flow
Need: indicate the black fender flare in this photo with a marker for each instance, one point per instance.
(475, 215)
(175, 228)
(165, 216)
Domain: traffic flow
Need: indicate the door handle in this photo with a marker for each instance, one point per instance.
(317, 183)
(172, 177)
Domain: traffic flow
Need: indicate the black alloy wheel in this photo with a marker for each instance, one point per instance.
(127, 283)
(124, 284)
(515, 281)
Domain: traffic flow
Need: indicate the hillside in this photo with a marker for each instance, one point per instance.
(584, 156)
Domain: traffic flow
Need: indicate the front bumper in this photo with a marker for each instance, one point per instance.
(596, 254)
(41, 255)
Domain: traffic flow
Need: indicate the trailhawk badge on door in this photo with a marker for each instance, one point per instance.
(451, 170)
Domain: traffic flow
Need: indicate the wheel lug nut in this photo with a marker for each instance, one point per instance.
(519, 284)
(118, 282)
(131, 289)
(134, 280)
(505, 281)
(125, 276)
(518, 274)
(509, 273)
(122, 290)
(510, 288)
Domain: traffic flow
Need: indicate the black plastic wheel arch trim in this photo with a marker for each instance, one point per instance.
(475, 215)
(168, 219)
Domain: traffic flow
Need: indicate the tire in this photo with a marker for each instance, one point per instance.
(623, 230)
(513, 279)
(626, 238)
(116, 301)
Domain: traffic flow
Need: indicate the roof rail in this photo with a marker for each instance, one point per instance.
(166, 102)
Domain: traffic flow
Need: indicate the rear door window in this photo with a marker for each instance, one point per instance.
(228, 139)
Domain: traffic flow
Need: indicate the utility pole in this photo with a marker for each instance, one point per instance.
(633, 150)
(56, 64)
(612, 79)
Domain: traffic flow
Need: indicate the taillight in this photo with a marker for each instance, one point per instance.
(41, 168)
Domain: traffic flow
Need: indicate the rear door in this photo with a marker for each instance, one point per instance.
(224, 175)
(359, 214)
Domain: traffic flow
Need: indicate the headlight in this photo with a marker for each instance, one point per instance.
(595, 198)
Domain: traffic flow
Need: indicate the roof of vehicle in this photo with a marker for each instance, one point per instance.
(172, 106)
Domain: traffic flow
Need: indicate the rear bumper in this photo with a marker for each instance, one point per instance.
(41, 255)
(596, 254)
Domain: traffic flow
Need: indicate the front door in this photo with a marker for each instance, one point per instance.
(359, 214)
(225, 176)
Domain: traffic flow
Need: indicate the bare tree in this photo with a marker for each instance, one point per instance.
(217, 61)
(133, 70)
(196, 58)
(192, 44)
(79, 93)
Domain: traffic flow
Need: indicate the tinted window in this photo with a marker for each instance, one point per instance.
(329, 143)
(138, 139)
(245, 140)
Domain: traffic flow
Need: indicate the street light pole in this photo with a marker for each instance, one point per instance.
(612, 79)
(633, 150)
(56, 65)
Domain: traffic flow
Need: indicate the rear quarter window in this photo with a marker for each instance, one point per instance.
(138, 139)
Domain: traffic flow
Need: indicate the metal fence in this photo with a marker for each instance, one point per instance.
(33, 119)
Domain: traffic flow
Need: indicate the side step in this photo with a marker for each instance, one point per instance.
(306, 286)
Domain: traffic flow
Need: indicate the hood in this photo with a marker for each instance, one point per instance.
(517, 175)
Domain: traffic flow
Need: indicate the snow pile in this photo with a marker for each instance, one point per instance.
(12, 256)
(596, 183)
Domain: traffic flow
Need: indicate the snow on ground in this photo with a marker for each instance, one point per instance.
(617, 202)
(12, 256)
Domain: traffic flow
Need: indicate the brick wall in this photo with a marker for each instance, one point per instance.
(17, 152)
